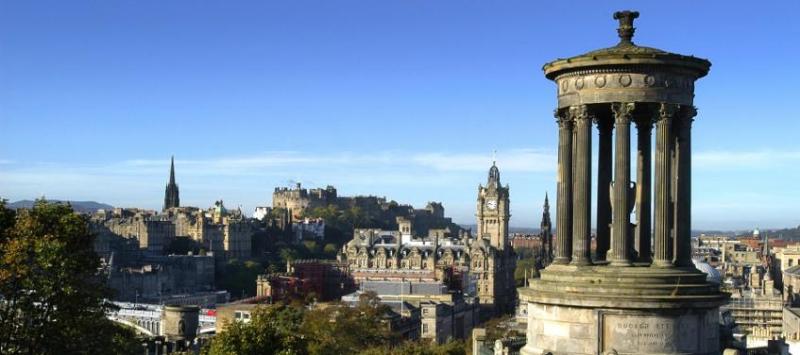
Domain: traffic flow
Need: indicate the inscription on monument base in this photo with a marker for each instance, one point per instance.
(642, 334)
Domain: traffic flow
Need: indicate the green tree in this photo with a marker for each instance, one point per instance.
(499, 327)
(524, 265)
(52, 293)
(289, 254)
(311, 247)
(272, 330)
(330, 250)
(419, 348)
(346, 330)
(239, 278)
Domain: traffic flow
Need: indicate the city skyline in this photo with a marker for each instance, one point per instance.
(284, 94)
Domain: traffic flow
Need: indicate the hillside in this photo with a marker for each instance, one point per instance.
(79, 206)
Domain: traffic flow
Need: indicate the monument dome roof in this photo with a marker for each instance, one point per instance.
(626, 53)
(712, 275)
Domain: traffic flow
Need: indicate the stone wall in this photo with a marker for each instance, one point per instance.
(578, 330)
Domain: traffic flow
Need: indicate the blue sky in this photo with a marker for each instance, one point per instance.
(405, 99)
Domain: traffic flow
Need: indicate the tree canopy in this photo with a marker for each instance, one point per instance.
(338, 329)
(51, 290)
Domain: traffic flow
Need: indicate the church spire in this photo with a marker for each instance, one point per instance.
(172, 170)
(171, 196)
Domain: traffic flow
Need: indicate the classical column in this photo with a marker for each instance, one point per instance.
(644, 126)
(563, 250)
(663, 200)
(582, 187)
(683, 188)
(605, 127)
(621, 194)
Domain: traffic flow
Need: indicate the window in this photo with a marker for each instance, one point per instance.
(424, 328)
(242, 316)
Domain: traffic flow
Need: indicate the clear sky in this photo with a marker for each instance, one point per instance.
(405, 99)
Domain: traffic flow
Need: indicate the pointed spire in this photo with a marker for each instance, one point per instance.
(172, 170)
(171, 195)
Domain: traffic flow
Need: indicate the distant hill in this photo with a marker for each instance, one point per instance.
(79, 206)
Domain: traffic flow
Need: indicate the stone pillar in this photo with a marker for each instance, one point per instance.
(605, 127)
(644, 126)
(582, 187)
(563, 252)
(620, 230)
(683, 188)
(663, 194)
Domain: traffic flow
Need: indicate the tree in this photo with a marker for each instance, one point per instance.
(419, 348)
(525, 266)
(499, 327)
(272, 330)
(239, 278)
(288, 254)
(291, 329)
(311, 247)
(51, 290)
(346, 330)
(330, 250)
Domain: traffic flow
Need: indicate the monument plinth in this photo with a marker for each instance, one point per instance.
(639, 292)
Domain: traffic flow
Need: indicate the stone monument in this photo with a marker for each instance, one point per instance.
(630, 296)
(180, 322)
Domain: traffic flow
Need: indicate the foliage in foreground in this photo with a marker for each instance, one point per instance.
(292, 329)
(51, 293)
(420, 348)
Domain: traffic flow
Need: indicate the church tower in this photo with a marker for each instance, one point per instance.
(171, 198)
(493, 210)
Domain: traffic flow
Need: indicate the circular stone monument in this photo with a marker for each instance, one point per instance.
(639, 292)
(180, 322)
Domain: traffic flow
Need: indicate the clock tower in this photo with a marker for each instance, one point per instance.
(493, 210)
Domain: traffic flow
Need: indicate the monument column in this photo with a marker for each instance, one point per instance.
(683, 188)
(604, 168)
(582, 186)
(663, 194)
(644, 127)
(563, 252)
(621, 206)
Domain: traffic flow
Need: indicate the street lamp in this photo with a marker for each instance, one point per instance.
(146, 350)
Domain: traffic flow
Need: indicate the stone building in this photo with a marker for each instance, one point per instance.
(483, 266)
(758, 313)
(638, 293)
(425, 310)
(152, 232)
(299, 199)
(226, 233)
(158, 279)
(309, 229)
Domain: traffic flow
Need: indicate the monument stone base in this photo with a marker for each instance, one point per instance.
(607, 310)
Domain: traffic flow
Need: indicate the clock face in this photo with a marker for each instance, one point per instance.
(491, 204)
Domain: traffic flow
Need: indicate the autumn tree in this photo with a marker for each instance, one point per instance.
(51, 292)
